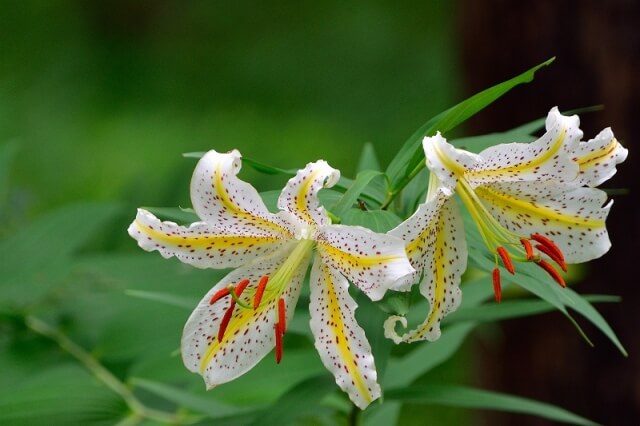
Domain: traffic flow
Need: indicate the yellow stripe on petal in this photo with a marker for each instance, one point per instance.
(598, 158)
(339, 339)
(199, 244)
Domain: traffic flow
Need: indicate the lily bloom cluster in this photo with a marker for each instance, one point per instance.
(531, 203)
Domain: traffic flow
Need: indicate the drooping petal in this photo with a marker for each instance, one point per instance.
(373, 262)
(200, 244)
(419, 233)
(573, 217)
(447, 162)
(300, 196)
(547, 158)
(250, 333)
(598, 157)
(444, 260)
(340, 341)
(230, 204)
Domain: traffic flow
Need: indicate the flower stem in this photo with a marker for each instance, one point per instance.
(391, 195)
(138, 409)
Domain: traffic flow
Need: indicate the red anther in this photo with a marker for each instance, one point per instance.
(260, 291)
(497, 289)
(241, 286)
(282, 320)
(527, 248)
(225, 320)
(278, 332)
(219, 295)
(551, 271)
(550, 244)
(553, 255)
(506, 260)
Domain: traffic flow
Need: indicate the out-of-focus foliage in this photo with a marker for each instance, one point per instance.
(97, 103)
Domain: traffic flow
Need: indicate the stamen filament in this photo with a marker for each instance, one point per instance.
(497, 289)
(506, 260)
(260, 291)
(235, 295)
(551, 271)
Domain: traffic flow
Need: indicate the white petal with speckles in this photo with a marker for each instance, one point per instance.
(220, 198)
(373, 262)
(250, 333)
(598, 157)
(443, 264)
(300, 195)
(201, 244)
(446, 161)
(340, 341)
(544, 159)
(573, 217)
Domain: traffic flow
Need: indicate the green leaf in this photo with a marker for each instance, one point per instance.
(7, 152)
(38, 256)
(376, 220)
(299, 401)
(351, 195)
(177, 214)
(411, 155)
(266, 169)
(166, 298)
(512, 309)
(200, 404)
(368, 158)
(467, 397)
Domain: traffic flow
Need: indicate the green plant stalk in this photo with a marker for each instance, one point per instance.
(138, 409)
(391, 195)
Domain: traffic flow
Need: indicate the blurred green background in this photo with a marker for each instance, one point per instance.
(98, 100)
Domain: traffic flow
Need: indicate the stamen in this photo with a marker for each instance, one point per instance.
(237, 292)
(260, 291)
(551, 271)
(282, 320)
(506, 260)
(278, 332)
(527, 248)
(497, 289)
(225, 320)
(553, 255)
(219, 295)
(550, 244)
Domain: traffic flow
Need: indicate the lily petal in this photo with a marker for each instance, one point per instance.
(250, 333)
(446, 161)
(598, 157)
(300, 196)
(573, 217)
(544, 159)
(444, 261)
(373, 262)
(340, 341)
(418, 233)
(200, 244)
(220, 198)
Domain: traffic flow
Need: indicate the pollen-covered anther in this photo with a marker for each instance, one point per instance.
(497, 289)
(278, 331)
(506, 260)
(527, 248)
(223, 292)
(237, 292)
(553, 255)
(282, 320)
(545, 241)
(262, 284)
(551, 271)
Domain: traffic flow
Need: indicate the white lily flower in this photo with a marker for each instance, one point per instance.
(528, 201)
(244, 316)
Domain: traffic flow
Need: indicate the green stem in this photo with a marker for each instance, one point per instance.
(401, 185)
(354, 415)
(138, 409)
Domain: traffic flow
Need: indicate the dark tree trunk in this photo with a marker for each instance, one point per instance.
(597, 44)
